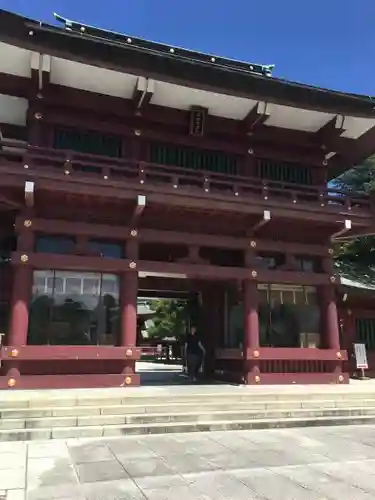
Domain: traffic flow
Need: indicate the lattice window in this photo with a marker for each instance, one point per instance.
(365, 332)
(211, 161)
(284, 172)
(84, 141)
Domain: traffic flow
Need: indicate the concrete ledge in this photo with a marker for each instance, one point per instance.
(165, 428)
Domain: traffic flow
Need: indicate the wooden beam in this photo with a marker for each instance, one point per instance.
(152, 268)
(347, 227)
(330, 132)
(139, 207)
(256, 117)
(80, 102)
(356, 232)
(173, 285)
(143, 92)
(29, 193)
(262, 222)
(56, 182)
(121, 233)
(40, 73)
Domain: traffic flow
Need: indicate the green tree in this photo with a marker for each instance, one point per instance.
(170, 319)
(360, 179)
(358, 253)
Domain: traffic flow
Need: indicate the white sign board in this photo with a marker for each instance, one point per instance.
(360, 356)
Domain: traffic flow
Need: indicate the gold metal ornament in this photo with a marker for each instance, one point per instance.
(129, 352)
(24, 258)
(132, 265)
(27, 223)
(254, 274)
(128, 380)
(14, 353)
(11, 382)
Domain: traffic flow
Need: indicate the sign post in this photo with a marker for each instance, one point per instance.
(361, 359)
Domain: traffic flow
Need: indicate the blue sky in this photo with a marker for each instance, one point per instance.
(329, 43)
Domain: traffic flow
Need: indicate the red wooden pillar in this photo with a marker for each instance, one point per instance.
(19, 314)
(330, 323)
(251, 330)
(348, 336)
(129, 294)
(21, 294)
(331, 327)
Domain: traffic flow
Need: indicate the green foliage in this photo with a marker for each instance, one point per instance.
(170, 319)
(360, 178)
(360, 251)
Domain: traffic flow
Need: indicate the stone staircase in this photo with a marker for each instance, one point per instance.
(32, 415)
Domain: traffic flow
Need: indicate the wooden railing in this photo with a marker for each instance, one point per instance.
(292, 365)
(129, 171)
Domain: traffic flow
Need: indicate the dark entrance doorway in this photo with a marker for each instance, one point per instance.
(167, 309)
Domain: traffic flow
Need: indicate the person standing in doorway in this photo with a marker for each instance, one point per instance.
(194, 352)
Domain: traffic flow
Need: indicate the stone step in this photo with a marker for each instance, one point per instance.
(182, 407)
(97, 431)
(10, 401)
(144, 419)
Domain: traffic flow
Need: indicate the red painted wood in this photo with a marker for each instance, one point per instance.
(299, 378)
(285, 353)
(98, 264)
(50, 181)
(251, 320)
(331, 328)
(19, 314)
(229, 354)
(69, 381)
(42, 159)
(129, 308)
(121, 233)
(66, 352)
(308, 354)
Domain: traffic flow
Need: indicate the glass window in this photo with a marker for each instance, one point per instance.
(284, 172)
(55, 244)
(211, 161)
(308, 264)
(107, 249)
(73, 308)
(270, 260)
(236, 326)
(85, 141)
(365, 332)
(289, 316)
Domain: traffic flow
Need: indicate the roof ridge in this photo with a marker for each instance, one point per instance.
(163, 48)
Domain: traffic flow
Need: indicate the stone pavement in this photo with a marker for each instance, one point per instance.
(335, 463)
